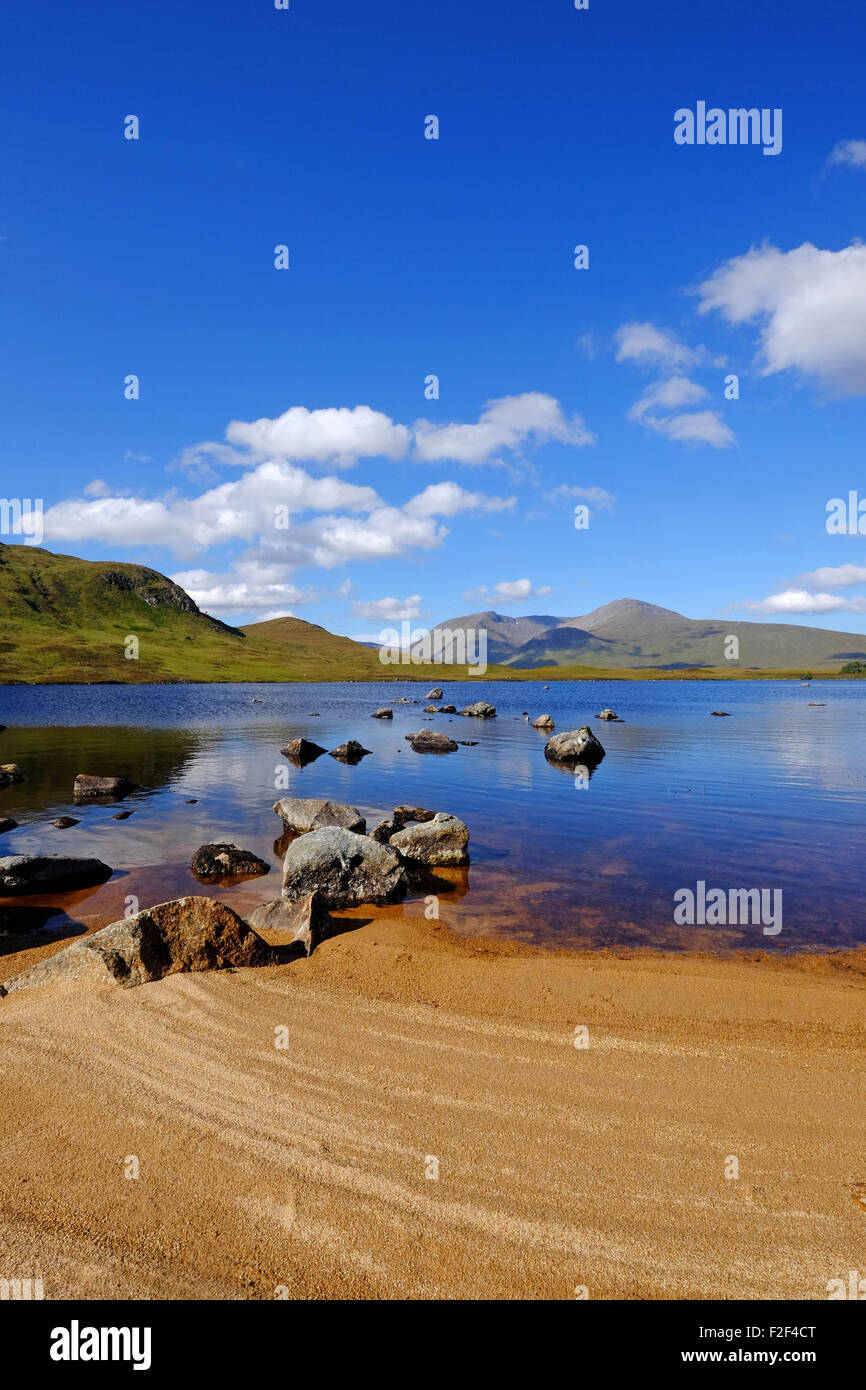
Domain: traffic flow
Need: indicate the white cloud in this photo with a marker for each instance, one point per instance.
(336, 435)
(239, 592)
(508, 423)
(97, 488)
(701, 427)
(793, 601)
(851, 152)
(670, 394)
(643, 342)
(598, 496)
(810, 306)
(836, 576)
(447, 499)
(388, 609)
(512, 590)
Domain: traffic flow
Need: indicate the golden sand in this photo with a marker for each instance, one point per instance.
(302, 1172)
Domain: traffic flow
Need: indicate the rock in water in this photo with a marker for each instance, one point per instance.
(431, 709)
(347, 869)
(574, 746)
(403, 814)
(88, 786)
(384, 713)
(351, 752)
(441, 842)
(302, 751)
(480, 710)
(188, 934)
(448, 709)
(306, 920)
(22, 921)
(720, 713)
(425, 741)
(302, 813)
(213, 862)
(434, 694)
(9, 775)
(64, 822)
(544, 721)
(7, 823)
(607, 714)
(49, 873)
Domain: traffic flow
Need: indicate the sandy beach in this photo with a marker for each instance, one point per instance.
(301, 1172)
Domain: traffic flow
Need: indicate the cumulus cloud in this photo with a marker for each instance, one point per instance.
(643, 342)
(509, 423)
(388, 609)
(511, 590)
(336, 435)
(836, 576)
(670, 394)
(810, 308)
(851, 152)
(447, 499)
(240, 592)
(801, 601)
(700, 427)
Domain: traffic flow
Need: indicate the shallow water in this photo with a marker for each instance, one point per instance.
(771, 797)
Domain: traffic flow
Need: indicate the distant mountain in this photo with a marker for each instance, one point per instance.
(630, 634)
(504, 635)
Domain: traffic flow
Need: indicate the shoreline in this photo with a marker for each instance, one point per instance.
(558, 1167)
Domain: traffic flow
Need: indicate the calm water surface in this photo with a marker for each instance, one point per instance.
(770, 798)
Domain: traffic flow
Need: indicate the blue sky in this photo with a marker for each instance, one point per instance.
(454, 257)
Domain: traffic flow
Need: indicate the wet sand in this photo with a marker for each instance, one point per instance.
(302, 1172)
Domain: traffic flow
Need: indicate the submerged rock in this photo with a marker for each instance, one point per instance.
(7, 823)
(87, 785)
(9, 775)
(64, 822)
(351, 752)
(188, 934)
(480, 710)
(468, 742)
(305, 920)
(49, 873)
(574, 746)
(216, 861)
(544, 721)
(300, 814)
(384, 713)
(123, 815)
(347, 869)
(21, 921)
(302, 751)
(441, 842)
(426, 741)
(720, 713)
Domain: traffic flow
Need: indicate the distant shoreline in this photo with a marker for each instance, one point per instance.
(439, 674)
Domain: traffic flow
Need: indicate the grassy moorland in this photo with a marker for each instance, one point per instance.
(67, 620)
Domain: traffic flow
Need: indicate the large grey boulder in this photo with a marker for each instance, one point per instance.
(426, 741)
(574, 746)
(442, 841)
(87, 786)
(384, 830)
(49, 873)
(305, 920)
(480, 710)
(188, 934)
(302, 813)
(217, 861)
(346, 868)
